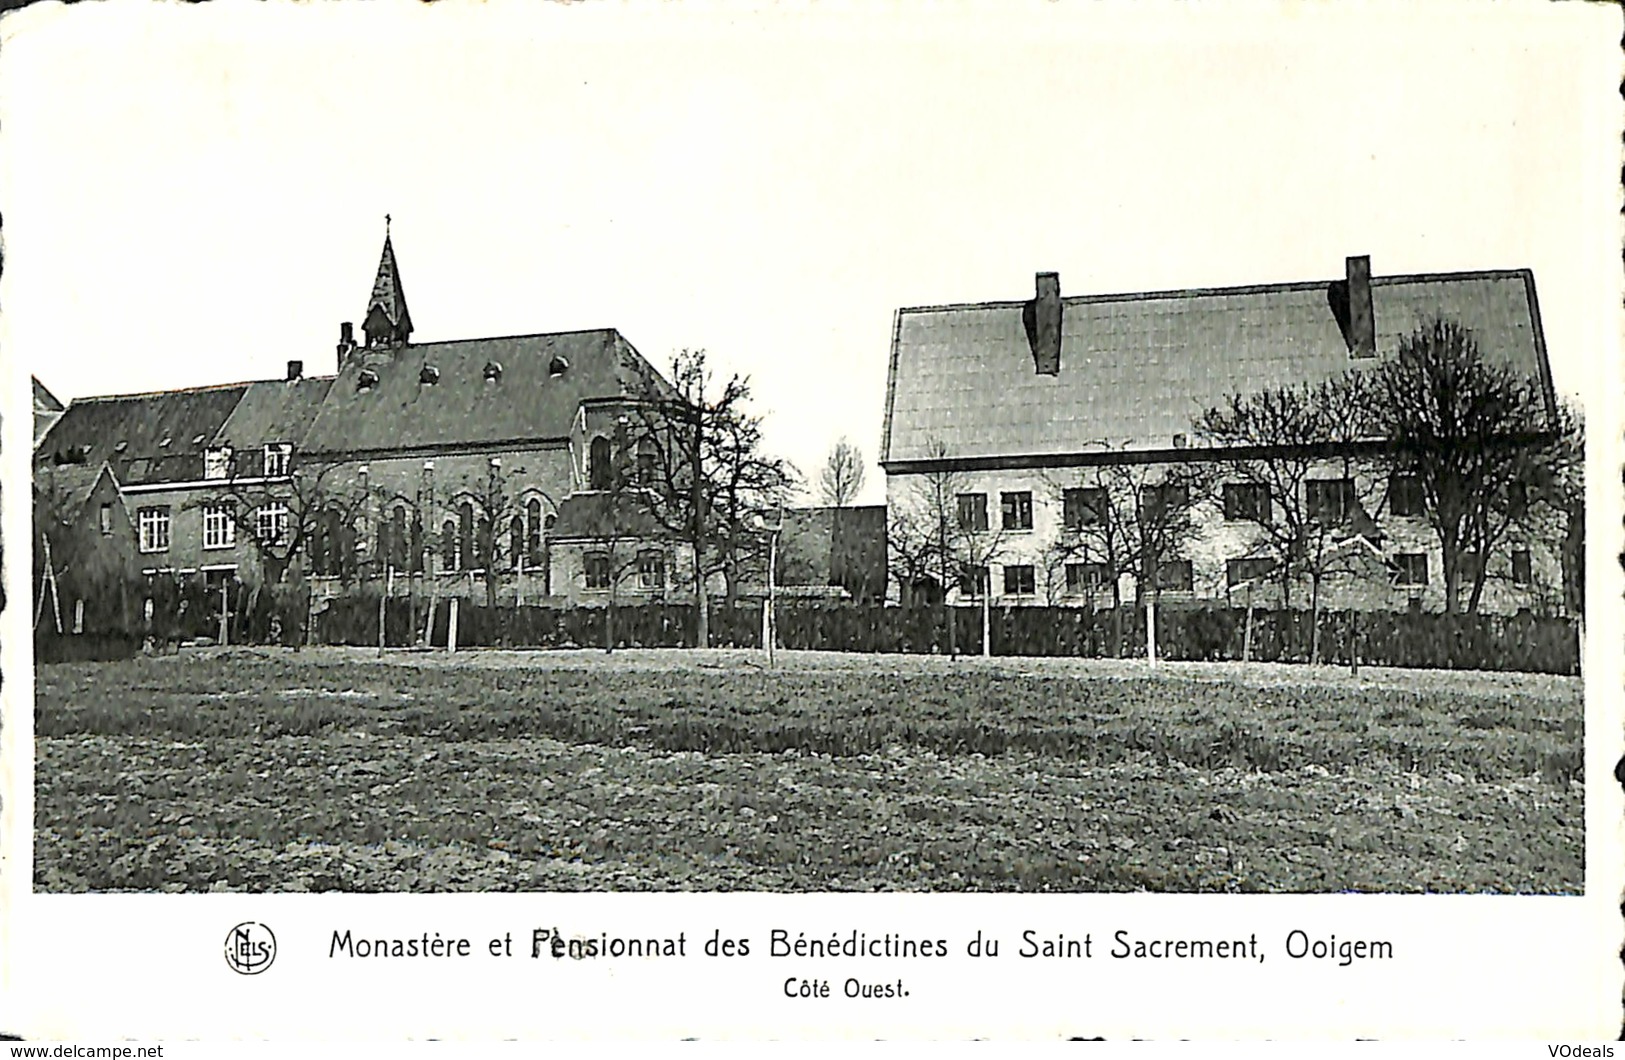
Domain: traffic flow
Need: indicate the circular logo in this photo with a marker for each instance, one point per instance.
(250, 948)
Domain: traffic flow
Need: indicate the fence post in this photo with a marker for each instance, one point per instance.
(1151, 630)
(451, 628)
(389, 585)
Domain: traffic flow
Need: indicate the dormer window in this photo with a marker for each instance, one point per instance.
(557, 366)
(366, 380)
(278, 457)
(121, 446)
(217, 462)
(493, 372)
(429, 375)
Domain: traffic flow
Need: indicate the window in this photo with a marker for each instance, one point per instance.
(596, 567)
(1081, 507)
(1467, 567)
(1020, 580)
(271, 523)
(153, 526)
(1017, 510)
(973, 511)
(646, 467)
(465, 536)
(1329, 500)
(1237, 571)
(219, 527)
(1404, 495)
(533, 532)
(448, 545)
(1158, 502)
(399, 554)
(1411, 568)
(1085, 577)
(107, 520)
(278, 457)
(1522, 569)
(1246, 501)
(1517, 500)
(651, 570)
(598, 469)
(1174, 575)
(217, 462)
(972, 581)
(516, 541)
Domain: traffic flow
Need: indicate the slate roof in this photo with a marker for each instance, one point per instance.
(527, 403)
(1136, 369)
(274, 411)
(46, 409)
(158, 437)
(599, 516)
(70, 485)
(44, 400)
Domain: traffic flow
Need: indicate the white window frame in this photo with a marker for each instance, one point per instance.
(272, 516)
(153, 527)
(219, 527)
(217, 463)
(278, 459)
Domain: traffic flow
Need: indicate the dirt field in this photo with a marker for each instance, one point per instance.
(261, 770)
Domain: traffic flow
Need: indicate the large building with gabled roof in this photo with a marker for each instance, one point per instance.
(436, 460)
(1019, 403)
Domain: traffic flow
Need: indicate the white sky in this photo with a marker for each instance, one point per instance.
(195, 194)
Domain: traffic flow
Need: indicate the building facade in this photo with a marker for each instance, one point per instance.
(1033, 426)
(441, 465)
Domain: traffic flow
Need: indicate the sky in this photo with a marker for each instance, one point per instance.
(196, 194)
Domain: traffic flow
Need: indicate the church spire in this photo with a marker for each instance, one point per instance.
(388, 322)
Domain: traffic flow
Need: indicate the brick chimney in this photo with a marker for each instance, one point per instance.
(296, 370)
(1362, 333)
(1042, 319)
(346, 341)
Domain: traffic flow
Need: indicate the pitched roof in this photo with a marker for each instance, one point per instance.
(599, 516)
(69, 485)
(275, 411)
(158, 437)
(527, 401)
(46, 410)
(1136, 369)
(44, 400)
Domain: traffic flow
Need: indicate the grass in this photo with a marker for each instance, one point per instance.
(671, 770)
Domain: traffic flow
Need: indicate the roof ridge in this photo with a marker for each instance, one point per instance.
(201, 389)
(502, 338)
(1198, 292)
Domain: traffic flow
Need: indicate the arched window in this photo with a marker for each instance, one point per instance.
(484, 542)
(646, 464)
(599, 471)
(465, 535)
(516, 540)
(400, 555)
(448, 545)
(533, 537)
(415, 552)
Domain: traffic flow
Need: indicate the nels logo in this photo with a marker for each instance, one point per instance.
(250, 948)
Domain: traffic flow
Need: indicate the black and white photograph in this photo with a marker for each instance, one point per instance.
(788, 452)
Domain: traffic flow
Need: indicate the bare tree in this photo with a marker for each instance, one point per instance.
(1472, 434)
(943, 525)
(1125, 517)
(1294, 459)
(841, 477)
(698, 451)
